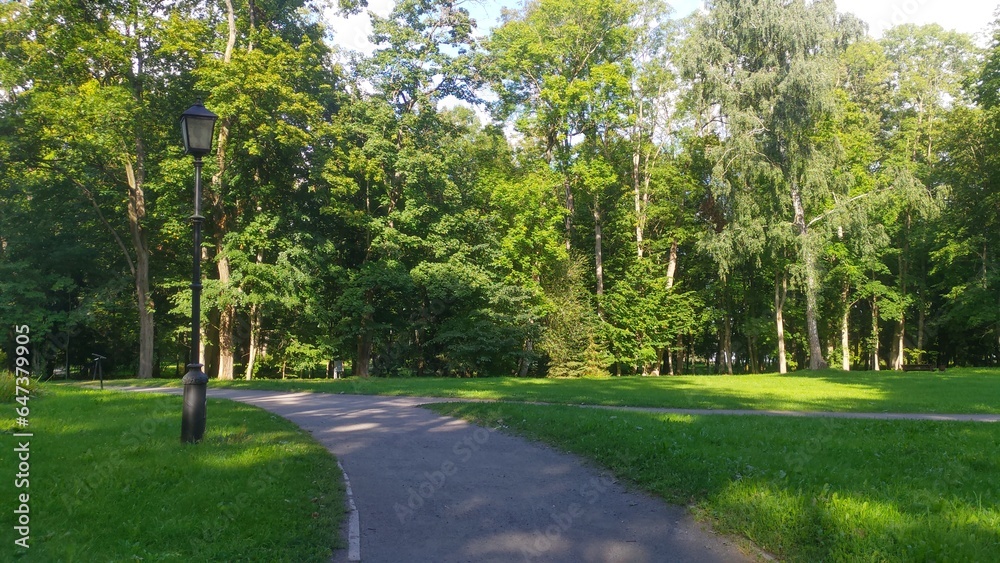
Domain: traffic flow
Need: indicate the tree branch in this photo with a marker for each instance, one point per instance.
(100, 215)
(828, 212)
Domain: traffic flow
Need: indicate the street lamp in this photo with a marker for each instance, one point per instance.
(197, 129)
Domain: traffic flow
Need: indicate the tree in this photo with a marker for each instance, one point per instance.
(562, 71)
(928, 68)
(273, 90)
(394, 161)
(964, 260)
(860, 239)
(93, 78)
(769, 69)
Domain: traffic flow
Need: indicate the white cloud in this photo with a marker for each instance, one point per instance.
(968, 16)
(351, 33)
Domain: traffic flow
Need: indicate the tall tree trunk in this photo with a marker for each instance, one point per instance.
(136, 178)
(640, 183)
(227, 322)
(529, 348)
(146, 322)
(203, 344)
(727, 344)
(672, 263)
(363, 358)
(899, 336)
(682, 358)
(598, 253)
(136, 214)
(570, 208)
(255, 322)
(718, 353)
(725, 353)
(875, 336)
(255, 326)
(636, 188)
(780, 292)
(897, 352)
(227, 313)
(671, 271)
(921, 320)
(816, 360)
(659, 362)
(252, 13)
(845, 325)
(231, 39)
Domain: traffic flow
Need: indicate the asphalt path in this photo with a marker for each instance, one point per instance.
(431, 488)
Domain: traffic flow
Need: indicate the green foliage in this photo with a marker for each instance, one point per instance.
(560, 66)
(644, 188)
(571, 337)
(644, 317)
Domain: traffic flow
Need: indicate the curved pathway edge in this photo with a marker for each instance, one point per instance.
(431, 488)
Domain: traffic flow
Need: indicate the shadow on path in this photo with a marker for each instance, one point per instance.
(431, 488)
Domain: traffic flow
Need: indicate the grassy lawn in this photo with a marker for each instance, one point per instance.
(802, 489)
(111, 481)
(954, 391)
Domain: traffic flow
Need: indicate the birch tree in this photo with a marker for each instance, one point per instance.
(769, 68)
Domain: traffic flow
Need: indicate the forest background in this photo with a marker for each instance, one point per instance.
(587, 188)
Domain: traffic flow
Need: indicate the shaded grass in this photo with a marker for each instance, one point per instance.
(965, 390)
(802, 489)
(111, 481)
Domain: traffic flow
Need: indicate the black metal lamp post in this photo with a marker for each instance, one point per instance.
(197, 129)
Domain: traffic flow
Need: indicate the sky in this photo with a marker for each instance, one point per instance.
(969, 16)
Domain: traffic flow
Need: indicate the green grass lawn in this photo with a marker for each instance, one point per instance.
(955, 391)
(802, 489)
(111, 481)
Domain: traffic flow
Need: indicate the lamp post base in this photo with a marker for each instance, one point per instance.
(193, 416)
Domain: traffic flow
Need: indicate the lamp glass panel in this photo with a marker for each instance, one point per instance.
(198, 134)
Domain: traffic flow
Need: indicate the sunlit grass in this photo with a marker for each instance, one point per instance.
(954, 391)
(802, 489)
(111, 481)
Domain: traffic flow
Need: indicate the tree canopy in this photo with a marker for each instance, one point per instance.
(586, 188)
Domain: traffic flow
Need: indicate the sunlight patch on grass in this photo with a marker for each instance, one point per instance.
(956, 391)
